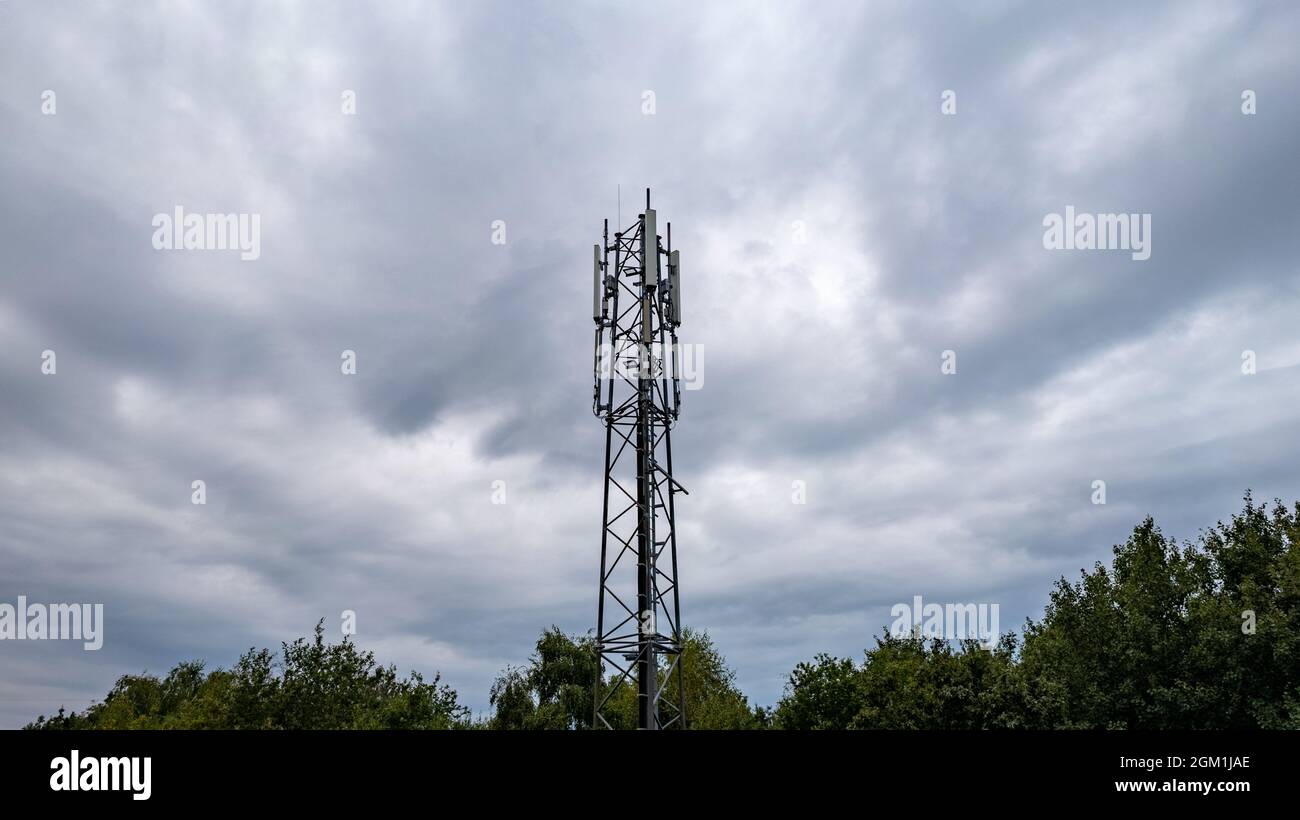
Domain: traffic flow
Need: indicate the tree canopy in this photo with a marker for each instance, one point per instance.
(313, 685)
(1201, 635)
(555, 690)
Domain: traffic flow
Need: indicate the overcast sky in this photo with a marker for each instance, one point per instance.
(822, 359)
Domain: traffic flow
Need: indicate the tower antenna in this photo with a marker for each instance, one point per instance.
(638, 396)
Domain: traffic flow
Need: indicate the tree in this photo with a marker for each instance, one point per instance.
(907, 683)
(318, 686)
(555, 690)
(1163, 638)
(824, 694)
(1201, 635)
(713, 701)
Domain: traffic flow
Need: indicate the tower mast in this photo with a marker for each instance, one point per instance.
(638, 396)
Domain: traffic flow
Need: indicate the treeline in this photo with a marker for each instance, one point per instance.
(1203, 634)
(312, 685)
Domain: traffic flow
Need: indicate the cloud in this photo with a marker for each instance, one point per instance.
(373, 492)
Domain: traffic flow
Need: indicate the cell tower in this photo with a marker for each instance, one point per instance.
(637, 307)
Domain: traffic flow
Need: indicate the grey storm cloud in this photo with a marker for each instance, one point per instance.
(821, 359)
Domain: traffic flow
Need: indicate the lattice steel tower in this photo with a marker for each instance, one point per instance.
(637, 309)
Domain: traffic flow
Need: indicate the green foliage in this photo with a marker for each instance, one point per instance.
(555, 690)
(824, 694)
(907, 683)
(713, 701)
(318, 686)
(1155, 641)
